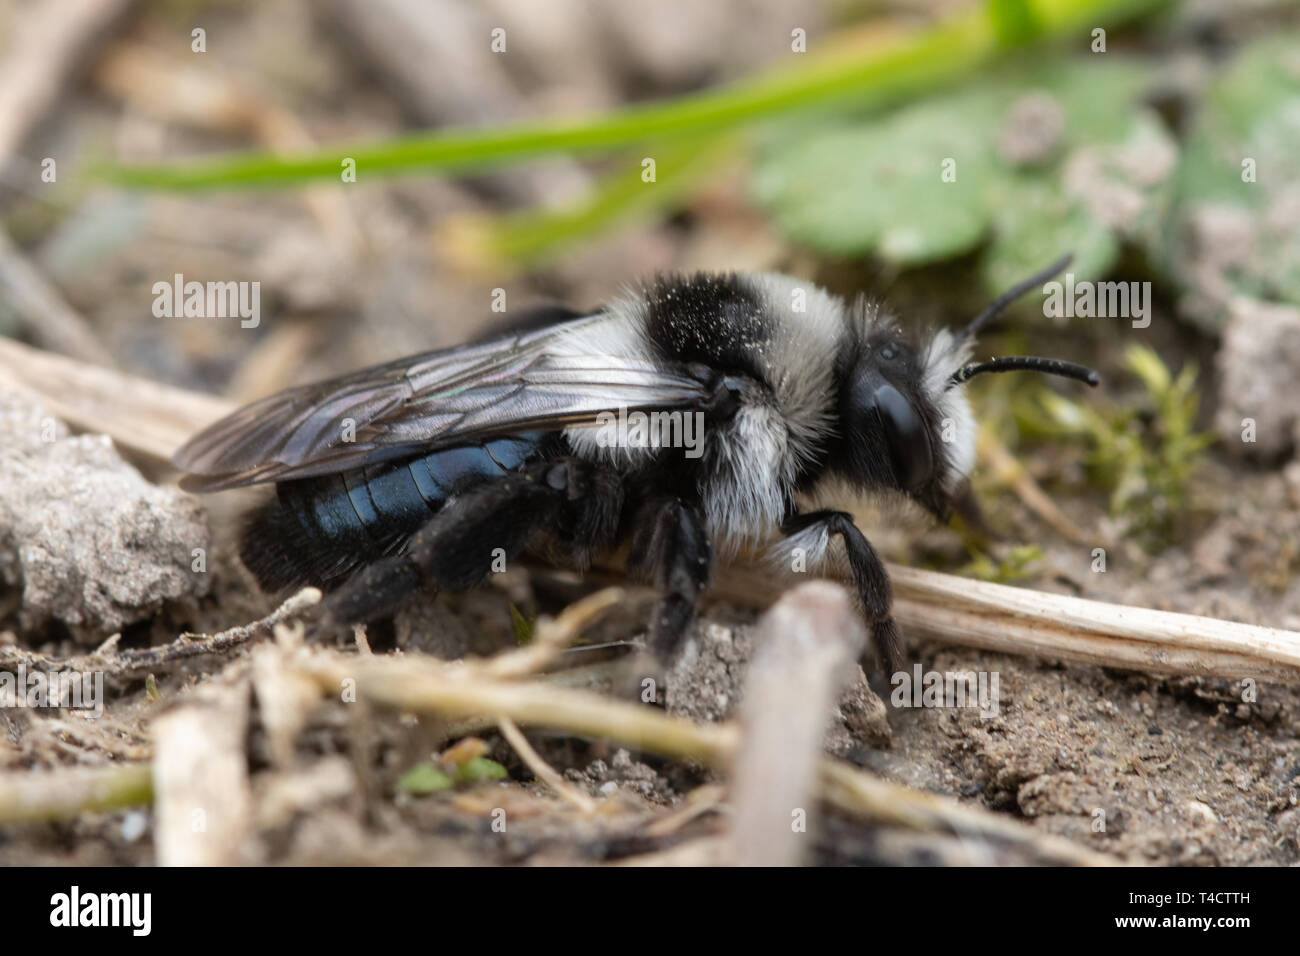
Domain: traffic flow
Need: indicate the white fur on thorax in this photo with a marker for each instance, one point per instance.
(752, 460)
(749, 477)
(757, 459)
(800, 358)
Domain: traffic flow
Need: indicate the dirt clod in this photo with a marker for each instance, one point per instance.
(1261, 351)
(93, 544)
(707, 682)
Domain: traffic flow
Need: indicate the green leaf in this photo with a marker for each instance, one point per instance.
(1099, 94)
(1231, 236)
(480, 769)
(1014, 21)
(874, 186)
(883, 73)
(880, 187)
(422, 779)
(1035, 221)
(530, 237)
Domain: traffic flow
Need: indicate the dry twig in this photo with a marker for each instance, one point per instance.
(805, 650)
(551, 637)
(701, 800)
(204, 805)
(54, 44)
(125, 663)
(198, 645)
(137, 413)
(1058, 627)
(540, 768)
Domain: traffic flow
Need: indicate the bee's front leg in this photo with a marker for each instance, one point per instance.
(812, 532)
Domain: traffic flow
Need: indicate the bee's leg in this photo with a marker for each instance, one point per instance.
(812, 532)
(671, 549)
(458, 547)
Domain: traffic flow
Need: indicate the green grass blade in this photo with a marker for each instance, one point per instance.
(907, 65)
(531, 237)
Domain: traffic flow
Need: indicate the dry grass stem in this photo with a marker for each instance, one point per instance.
(1008, 470)
(1059, 627)
(540, 768)
(28, 796)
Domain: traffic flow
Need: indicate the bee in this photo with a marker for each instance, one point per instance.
(427, 473)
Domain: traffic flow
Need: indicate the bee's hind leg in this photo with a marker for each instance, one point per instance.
(458, 547)
(671, 549)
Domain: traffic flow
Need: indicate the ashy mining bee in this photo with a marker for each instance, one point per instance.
(415, 475)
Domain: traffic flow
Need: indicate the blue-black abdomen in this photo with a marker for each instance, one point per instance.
(322, 529)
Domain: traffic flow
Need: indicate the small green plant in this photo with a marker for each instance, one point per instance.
(424, 779)
(1016, 565)
(1144, 454)
(523, 627)
(462, 764)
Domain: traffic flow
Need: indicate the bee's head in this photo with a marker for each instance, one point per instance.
(908, 424)
(901, 431)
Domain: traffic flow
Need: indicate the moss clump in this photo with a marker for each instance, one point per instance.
(1142, 453)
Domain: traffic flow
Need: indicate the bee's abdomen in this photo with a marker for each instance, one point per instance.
(321, 530)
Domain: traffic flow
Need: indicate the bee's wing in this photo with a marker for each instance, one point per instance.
(544, 380)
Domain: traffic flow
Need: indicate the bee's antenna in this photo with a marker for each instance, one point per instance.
(1006, 298)
(1015, 363)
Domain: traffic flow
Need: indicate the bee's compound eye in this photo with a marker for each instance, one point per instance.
(909, 445)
